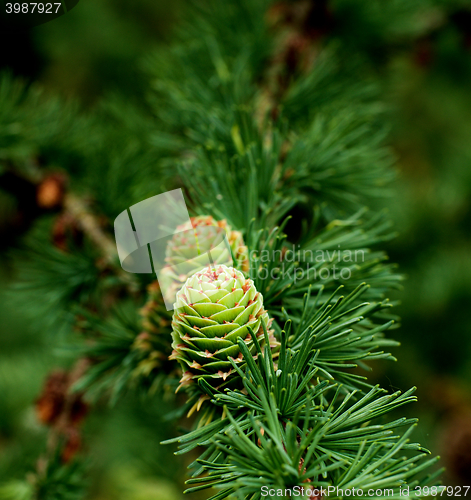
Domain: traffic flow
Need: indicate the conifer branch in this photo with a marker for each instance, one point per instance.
(260, 127)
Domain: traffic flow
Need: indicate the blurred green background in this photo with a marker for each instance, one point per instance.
(96, 50)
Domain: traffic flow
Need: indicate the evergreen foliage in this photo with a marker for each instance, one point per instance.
(289, 155)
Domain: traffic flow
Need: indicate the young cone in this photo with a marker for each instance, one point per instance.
(208, 233)
(215, 307)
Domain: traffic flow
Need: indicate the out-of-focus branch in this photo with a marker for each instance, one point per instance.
(89, 224)
(62, 410)
(43, 192)
(297, 28)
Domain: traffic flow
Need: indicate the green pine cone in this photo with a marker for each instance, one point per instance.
(213, 310)
(190, 245)
(187, 252)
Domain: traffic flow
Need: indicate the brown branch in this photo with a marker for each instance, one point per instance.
(43, 192)
(89, 224)
(298, 28)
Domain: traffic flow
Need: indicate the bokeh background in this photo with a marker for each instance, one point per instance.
(96, 51)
